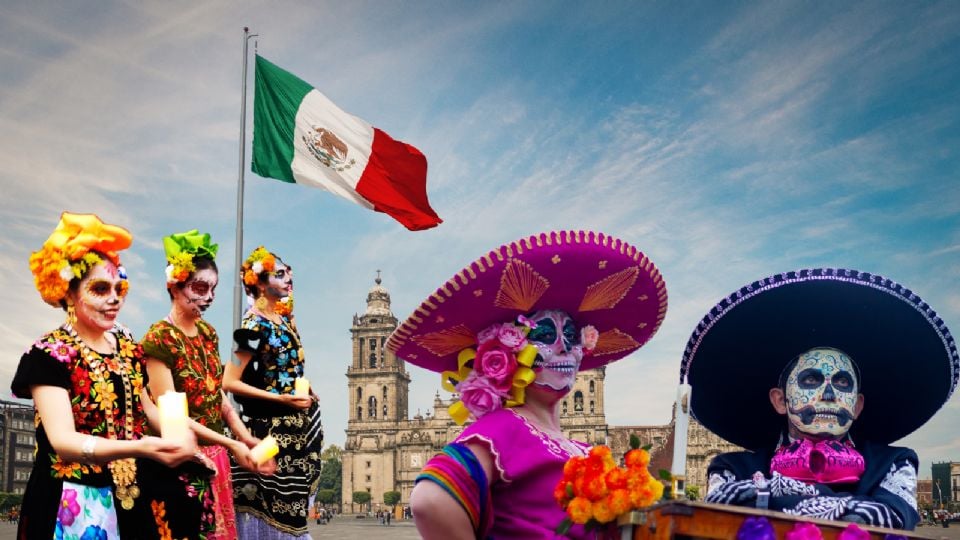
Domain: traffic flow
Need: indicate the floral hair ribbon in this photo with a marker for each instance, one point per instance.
(493, 375)
(71, 250)
(181, 248)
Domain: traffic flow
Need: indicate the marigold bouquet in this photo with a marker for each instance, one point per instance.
(594, 490)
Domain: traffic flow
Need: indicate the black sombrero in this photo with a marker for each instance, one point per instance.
(906, 355)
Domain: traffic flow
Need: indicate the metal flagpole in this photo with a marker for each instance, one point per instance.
(238, 294)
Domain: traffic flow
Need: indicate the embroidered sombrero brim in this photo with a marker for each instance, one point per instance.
(906, 355)
(597, 279)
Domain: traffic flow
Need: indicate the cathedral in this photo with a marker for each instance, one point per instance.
(385, 448)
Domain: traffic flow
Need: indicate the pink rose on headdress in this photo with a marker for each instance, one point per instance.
(512, 337)
(479, 395)
(589, 337)
(496, 362)
(487, 334)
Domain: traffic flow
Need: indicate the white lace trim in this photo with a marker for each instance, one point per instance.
(902, 482)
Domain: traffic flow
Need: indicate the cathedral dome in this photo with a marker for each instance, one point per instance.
(378, 299)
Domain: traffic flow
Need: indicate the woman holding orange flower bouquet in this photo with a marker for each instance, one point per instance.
(269, 359)
(509, 334)
(86, 379)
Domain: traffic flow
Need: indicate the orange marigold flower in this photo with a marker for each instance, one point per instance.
(637, 458)
(573, 467)
(619, 501)
(657, 490)
(602, 511)
(594, 487)
(580, 510)
(616, 478)
(269, 263)
(249, 278)
(600, 451)
(560, 493)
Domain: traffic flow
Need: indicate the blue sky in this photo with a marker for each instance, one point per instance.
(728, 141)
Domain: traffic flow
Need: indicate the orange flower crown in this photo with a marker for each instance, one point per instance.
(594, 490)
(259, 261)
(72, 250)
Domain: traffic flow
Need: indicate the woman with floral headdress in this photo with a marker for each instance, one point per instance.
(182, 355)
(86, 379)
(509, 334)
(269, 358)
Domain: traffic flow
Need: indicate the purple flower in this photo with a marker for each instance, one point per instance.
(852, 532)
(804, 531)
(756, 528)
(69, 508)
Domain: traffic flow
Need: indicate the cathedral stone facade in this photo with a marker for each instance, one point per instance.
(385, 449)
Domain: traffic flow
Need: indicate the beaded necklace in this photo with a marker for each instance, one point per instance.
(124, 471)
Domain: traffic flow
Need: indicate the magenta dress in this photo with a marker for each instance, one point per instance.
(528, 464)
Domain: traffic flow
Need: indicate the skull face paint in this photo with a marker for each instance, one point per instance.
(559, 350)
(280, 281)
(98, 299)
(821, 393)
(197, 293)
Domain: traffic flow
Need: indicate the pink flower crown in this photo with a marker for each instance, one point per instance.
(497, 372)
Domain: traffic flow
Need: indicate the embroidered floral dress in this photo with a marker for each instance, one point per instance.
(276, 507)
(195, 365)
(528, 465)
(74, 500)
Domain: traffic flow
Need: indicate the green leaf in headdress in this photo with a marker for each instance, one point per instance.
(191, 242)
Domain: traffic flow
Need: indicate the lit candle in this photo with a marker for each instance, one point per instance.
(173, 415)
(301, 386)
(681, 422)
(264, 450)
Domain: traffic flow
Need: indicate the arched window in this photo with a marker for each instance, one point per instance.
(384, 393)
(359, 412)
(384, 410)
(578, 402)
(373, 359)
(592, 387)
(564, 406)
(372, 406)
(592, 410)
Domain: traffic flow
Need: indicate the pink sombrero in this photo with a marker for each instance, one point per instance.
(597, 279)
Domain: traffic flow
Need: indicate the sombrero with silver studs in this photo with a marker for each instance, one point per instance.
(906, 356)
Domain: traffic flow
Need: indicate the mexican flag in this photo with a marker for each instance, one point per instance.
(302, 137)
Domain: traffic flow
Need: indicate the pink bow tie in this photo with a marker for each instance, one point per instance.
(823, 462)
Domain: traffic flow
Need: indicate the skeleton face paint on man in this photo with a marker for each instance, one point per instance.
(559, 350)
(821, 393)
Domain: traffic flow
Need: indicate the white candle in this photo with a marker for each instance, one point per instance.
(301, 386)
(264, 450)
(680, 424)
(173, 415)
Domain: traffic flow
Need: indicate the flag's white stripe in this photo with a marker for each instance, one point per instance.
(316, 111)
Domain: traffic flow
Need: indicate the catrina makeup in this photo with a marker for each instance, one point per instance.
(100, 296)
(559, 350)
(821, 393)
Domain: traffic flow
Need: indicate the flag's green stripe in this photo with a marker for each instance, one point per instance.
(277, 98)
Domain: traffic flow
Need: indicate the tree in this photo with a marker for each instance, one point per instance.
(328, 496)
(391, 498)
(361, 498)
(693, 492)
(331, 475)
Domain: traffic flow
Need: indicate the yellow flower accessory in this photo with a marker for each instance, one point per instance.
(71, 250)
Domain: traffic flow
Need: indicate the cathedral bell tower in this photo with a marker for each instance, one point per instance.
(377, 380)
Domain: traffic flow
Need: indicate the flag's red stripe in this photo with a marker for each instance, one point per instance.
(395, 183)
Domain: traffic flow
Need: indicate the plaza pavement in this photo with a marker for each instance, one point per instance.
(347, 527)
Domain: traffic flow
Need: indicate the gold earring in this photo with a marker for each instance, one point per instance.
(261, 303)
(71, 315)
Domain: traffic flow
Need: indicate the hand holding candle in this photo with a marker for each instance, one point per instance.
(173, 415)
(266, 449)
(301, 387)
